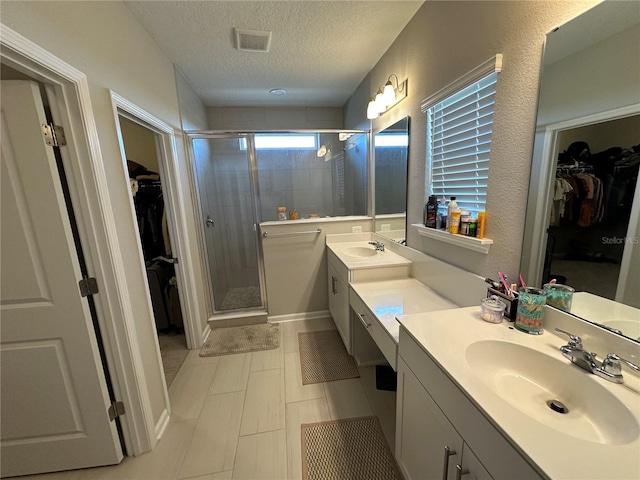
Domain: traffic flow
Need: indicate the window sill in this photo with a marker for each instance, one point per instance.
(481, 245)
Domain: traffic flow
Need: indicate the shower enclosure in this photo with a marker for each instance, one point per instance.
(242, 179)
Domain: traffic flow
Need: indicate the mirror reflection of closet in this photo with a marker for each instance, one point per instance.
(141, 151)
(589, 83)
(594, 189)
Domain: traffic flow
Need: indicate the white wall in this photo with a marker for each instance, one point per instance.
(140, 144)
(105, 42)
(193, 116)
(296, 266)
(602, 77)
(271, 118)
(442, 42)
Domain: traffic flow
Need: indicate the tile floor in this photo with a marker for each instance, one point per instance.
(239, 416)
(173, 352)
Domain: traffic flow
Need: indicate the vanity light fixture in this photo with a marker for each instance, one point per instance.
(386, 97)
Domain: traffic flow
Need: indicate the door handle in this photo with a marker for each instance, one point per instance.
(460, 471)
(209, 221)
(362, 320)
(333, 285)
(445, 467)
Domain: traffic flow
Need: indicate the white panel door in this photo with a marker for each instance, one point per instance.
(54, 397)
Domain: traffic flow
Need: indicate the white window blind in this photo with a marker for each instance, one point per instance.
(459, 126)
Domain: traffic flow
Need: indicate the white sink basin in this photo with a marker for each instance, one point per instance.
(528, 380)
(359, 251)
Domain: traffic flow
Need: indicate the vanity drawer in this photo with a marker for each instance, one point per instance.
(381, 337)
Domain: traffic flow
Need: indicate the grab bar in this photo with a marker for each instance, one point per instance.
(310, 232)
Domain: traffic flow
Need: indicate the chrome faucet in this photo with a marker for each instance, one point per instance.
(574, 352)
(379, 246)
(610, 368)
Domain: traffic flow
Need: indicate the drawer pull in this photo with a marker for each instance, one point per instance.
(461, 471)
(445, 469)
(364, 322)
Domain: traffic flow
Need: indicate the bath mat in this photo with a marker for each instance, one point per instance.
(351, 448)
(246, 338)
(323, 357)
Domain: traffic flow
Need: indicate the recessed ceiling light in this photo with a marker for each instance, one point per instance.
(278, 91)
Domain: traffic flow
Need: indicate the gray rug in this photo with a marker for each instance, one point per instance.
(248, 338)
(351, 448)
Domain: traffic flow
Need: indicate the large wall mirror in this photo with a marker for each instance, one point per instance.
(391, 153)
(583, 212)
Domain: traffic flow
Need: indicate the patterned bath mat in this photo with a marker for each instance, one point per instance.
(351, 448)
(247, 338)
(323, 357)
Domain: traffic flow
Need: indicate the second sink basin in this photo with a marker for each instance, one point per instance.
(553, 392)
(359, 251)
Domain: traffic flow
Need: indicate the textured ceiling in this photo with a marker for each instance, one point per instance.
(320, 50)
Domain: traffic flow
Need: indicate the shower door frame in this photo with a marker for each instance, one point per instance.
(255, 206)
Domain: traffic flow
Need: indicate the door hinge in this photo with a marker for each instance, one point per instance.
(115, 410)
(54, 135)
(88, 286)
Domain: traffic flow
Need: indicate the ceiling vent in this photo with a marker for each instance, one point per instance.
(252, 40)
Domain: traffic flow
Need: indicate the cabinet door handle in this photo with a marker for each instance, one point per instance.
(364, 322)
(334, 290)
(445, 468)
(461, 471)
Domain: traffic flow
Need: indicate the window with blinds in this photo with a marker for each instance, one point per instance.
(459, 126)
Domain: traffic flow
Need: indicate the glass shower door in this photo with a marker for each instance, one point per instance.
(224, 175)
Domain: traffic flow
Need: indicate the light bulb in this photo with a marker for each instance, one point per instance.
(389, 94)
(380, 102)
(372, 110)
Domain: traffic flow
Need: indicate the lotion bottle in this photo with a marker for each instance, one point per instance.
(453, 216)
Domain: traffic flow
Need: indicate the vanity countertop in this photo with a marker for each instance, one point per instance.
(570, 446)
(609, 313)
(390, 298)
(383, 259)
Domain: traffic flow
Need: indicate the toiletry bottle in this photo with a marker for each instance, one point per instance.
(482, 218)
(464, 222)
(453, 205)
(431, 210)
(441, 220)
(453, 216)
(473, 227)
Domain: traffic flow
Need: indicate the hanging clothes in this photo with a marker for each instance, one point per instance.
(149, 205)
(561, 191)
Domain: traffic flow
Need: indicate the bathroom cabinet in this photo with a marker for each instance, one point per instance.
(338, 288)
(427, 445)
(433, 413)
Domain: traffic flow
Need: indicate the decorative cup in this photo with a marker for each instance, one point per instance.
(559, 296)
(531, 302)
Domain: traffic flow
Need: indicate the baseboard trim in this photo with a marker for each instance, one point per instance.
(205, 333)
(162, 423)
(294, 317)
